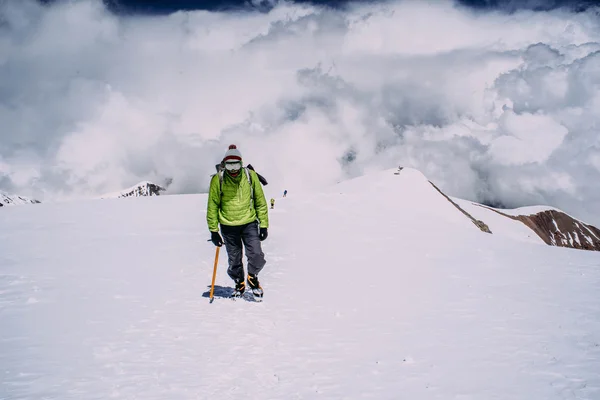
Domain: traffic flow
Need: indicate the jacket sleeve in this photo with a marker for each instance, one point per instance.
(260, 202)
(214, 203)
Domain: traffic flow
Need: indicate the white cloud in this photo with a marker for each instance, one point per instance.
(494, 107)
(527, 138)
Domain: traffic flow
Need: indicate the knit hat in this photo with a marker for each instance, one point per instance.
(233, 154)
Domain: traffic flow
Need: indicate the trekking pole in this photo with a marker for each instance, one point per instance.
(212, 288)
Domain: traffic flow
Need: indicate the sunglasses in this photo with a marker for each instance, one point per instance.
(233, 166)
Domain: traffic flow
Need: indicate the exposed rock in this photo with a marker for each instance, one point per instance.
(478, 223)
(12, 200)
(557, 228)
(142, 189)
(145, 189)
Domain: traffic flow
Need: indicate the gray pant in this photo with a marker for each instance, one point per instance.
(234, 236)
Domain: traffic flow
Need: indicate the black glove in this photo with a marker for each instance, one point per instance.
(216, 239)
(263, 234)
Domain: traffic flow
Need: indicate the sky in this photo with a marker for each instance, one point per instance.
(494, 102)
(169, 6)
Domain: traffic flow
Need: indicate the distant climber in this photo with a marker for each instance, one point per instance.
(285, 193)
(272, 204)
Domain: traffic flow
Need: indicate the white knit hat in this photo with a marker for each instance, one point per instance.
(233, 154)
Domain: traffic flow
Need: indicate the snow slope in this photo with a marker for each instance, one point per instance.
(375, 289)
(501, 225)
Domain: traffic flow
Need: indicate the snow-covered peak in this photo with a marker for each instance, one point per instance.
(142, 189)
(416, 200)
(13, 200)
(419, 202)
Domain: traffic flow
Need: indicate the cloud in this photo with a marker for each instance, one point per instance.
(496, 107)
(527, 138)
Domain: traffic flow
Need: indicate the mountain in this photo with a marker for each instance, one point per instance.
(557, 228)
(11, 200)
(378, 287)
(553, 226)
(144, 188)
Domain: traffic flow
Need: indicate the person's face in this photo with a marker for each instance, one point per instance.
(233, 167)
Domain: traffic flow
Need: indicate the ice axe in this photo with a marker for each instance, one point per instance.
(212, 287)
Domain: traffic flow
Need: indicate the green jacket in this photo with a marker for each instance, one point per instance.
(235, 207)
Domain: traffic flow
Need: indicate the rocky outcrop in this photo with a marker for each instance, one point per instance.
(557, 228)
(140, 190)
(478, 223)
(13, 200)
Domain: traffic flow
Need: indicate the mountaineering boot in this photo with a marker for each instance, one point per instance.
(240, 287)
(255, 285)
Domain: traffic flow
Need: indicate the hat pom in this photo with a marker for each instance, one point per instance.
(232, 146)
